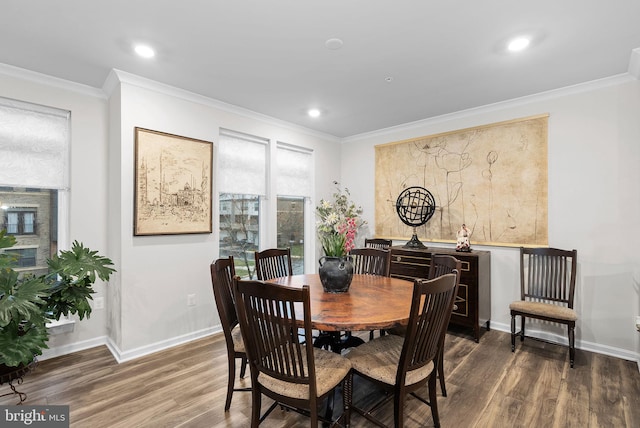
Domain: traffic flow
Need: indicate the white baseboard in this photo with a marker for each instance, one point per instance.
(72, 347)
(122, 356)
(580, 344)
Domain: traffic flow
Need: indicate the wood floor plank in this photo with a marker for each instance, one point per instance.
(607, 402)
(487, 385)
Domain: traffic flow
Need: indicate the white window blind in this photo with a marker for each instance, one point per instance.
(34, 145)
(295, 170)
(242, 163)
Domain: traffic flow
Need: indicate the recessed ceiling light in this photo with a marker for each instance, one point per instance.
(333, 43)
(144, 51)
(518, 44)
(314, 112)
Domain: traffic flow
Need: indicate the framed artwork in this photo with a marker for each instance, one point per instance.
(492, 178)
(173, 182)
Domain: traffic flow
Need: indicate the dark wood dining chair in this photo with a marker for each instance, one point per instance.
(222, 274)
(440, 264)
(292, 374)
(383, 244)
(273, 263)
(371, 261)
(547, 289)
(401, 365)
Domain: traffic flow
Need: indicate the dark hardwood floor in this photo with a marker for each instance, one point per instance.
(487, 385)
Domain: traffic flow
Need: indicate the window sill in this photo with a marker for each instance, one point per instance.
(63, 325)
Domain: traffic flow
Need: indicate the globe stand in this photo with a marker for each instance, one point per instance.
(415, 206)
(414, 242)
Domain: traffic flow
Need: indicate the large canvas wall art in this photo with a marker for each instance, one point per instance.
(493, 178)
(173, 180)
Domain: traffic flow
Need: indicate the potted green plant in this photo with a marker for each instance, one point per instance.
(28, 302)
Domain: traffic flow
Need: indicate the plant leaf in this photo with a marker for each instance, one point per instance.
(19, 344)
(21, 298)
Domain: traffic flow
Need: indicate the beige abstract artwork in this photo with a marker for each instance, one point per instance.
(493, 178)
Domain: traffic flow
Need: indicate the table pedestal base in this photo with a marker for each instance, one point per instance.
(334, 341)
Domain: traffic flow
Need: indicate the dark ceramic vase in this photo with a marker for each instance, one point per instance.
(336, 273)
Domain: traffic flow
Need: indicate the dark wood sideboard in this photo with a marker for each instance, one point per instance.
(473, 302)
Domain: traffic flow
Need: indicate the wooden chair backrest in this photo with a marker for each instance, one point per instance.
(371, 261)
(270, 329)
(548, 275)
(442, 264)
(383, 244)
(273, 263)
(222, 274)
(431, 307)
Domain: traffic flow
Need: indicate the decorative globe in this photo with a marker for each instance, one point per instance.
(415, 206)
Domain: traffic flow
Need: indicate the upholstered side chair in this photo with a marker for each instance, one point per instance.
(547, 290)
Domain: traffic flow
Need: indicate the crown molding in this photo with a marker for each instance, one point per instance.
(45, 79)
(119, 76)
(502, 105)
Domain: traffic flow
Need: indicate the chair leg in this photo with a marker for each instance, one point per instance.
(328, 411)
(243, 367)
(513, 333)
(522, 317)
(441, 370)
(256, 404)
(572, 344)
(433, 401)
(398, 409)
(230, 382)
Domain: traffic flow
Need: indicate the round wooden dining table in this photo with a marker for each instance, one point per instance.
(372, 303)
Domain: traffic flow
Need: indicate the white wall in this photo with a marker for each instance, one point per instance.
(594, 201)
(158, 272)
(88, 196)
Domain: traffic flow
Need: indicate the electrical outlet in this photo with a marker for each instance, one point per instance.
(191, 299)
(98, 303)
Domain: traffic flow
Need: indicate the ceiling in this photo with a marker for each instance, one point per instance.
(270, 57)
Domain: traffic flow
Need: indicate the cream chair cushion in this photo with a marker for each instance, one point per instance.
(379, 359)
(238, 343)
(331, 368)
(544, 309)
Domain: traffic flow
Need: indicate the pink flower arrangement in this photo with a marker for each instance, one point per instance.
(339, 223)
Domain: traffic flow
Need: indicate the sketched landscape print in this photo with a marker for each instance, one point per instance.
(493, 178)
(173, 180)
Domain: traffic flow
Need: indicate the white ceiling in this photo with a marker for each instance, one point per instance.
(270, 56)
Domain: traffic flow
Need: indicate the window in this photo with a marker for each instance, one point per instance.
(291, 230)
(19, 221)
(250, 218)
(242, 162)
(294, 187)
(34, 178)
(26, 256)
